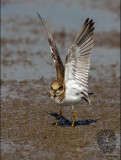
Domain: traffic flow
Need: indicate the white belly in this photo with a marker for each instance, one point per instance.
(73, 92)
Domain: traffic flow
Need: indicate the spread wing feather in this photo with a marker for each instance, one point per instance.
(78, 58)
(55, 54)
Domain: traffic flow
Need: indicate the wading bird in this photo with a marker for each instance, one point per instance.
(71, 85)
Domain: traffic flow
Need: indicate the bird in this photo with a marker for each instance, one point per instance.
(71, 85)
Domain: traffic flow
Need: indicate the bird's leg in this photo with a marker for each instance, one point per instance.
(74, 116)
(59, 118)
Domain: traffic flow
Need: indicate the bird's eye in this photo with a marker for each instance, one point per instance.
(51, 88)
(60, 88)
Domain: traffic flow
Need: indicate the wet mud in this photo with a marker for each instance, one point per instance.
(28, 116)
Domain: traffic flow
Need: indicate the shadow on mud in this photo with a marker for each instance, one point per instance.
(66, 123)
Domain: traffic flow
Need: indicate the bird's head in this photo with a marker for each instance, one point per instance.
(57, 88)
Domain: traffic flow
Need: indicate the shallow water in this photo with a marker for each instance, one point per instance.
(28, 115)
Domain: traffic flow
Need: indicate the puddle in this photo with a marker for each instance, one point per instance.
(105, 20)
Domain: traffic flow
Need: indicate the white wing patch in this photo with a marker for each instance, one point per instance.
(51, 50)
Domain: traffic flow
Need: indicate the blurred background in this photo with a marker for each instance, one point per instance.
(27, 70)
(25, 49)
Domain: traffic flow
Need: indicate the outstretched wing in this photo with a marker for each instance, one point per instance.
(55, 54)
(78, 59)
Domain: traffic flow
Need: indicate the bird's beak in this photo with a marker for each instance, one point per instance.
(54, 94)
